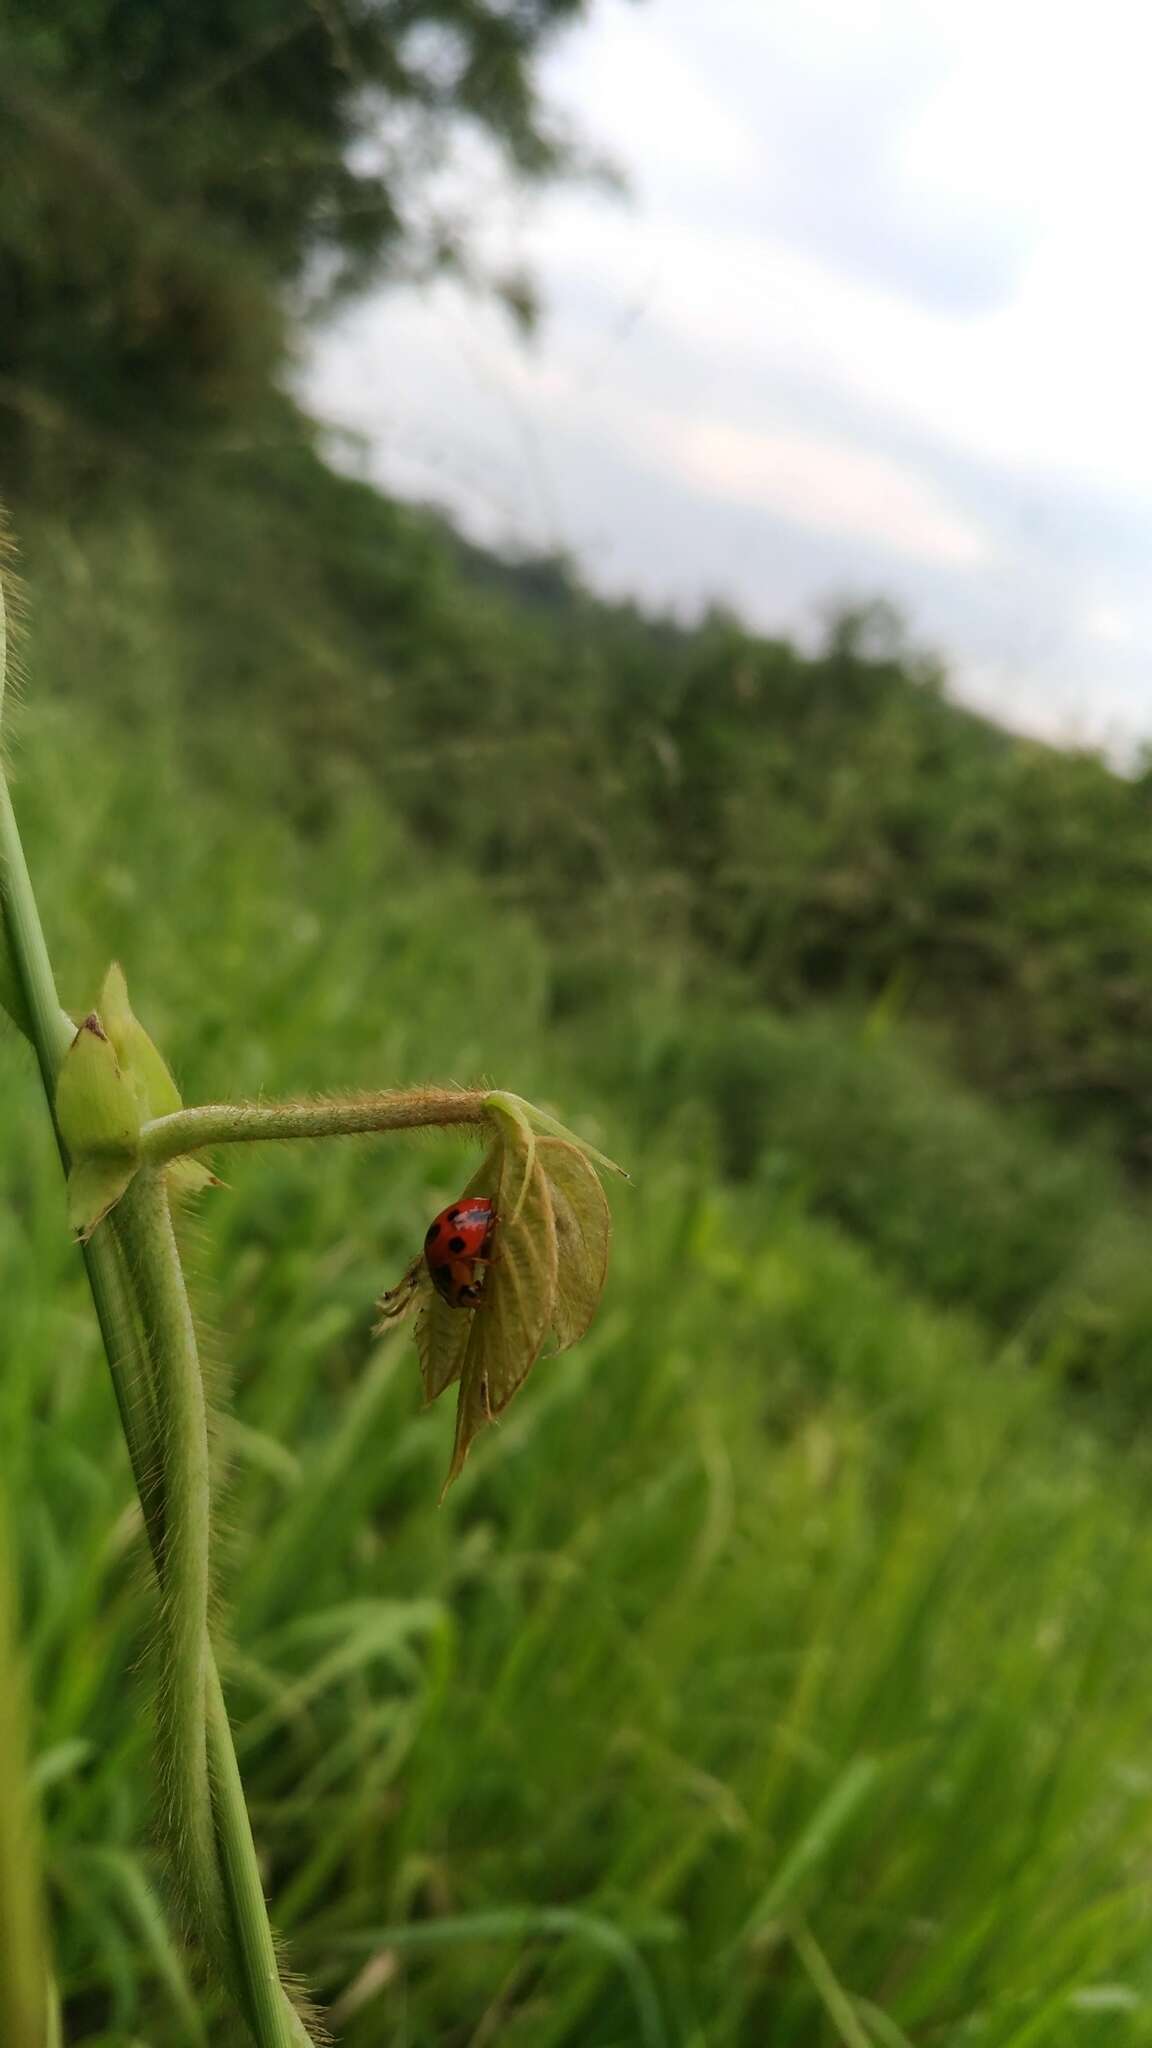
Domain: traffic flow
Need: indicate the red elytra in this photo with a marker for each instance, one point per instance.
(456, 1247)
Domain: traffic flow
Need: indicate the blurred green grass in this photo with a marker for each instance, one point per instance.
(777, 1670)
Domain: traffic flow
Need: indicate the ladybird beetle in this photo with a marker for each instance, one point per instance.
(456, 1247)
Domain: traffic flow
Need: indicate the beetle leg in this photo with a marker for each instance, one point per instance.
(396, 1301)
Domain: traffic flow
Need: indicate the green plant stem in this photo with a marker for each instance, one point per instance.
(271, 2016)
(276, 2019)
(207, 1812)
(51, 1029)
(144, 1225)
(132, 1383)
(349, 1116)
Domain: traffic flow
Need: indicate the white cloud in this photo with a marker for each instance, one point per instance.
(832, 486)
(653, 105)
(1114, 625)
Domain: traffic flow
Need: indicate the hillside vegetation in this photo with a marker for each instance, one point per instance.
(776, 1670)
(815, 828)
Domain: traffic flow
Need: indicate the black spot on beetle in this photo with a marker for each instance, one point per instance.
(443, 1274)
(432, 1233)
(456, 1246)
(452, 1215)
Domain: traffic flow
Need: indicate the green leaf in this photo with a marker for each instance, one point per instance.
(583, 1236)
(512, 1320)
(95, 1185)
(442, 1334)
(538, 1120)
(517, 1149)
(835, 1813)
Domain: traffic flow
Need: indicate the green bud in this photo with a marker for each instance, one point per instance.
(148, 1074)
(97, 1107)
(99, 1117)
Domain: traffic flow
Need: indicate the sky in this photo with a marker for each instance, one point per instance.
(874, 319)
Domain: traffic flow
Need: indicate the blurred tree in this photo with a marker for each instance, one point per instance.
(178, 176)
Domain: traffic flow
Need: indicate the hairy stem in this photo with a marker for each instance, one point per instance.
(49, 1027)
(130, 1366)
(346, 1116)
(144, 1226)
(208, 1818)
(275, 2019)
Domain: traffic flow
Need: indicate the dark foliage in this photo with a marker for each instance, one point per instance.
(175, 175)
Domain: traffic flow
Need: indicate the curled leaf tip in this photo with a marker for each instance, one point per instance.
(540, 1121)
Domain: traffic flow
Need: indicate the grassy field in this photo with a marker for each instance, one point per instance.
(778, 1671)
